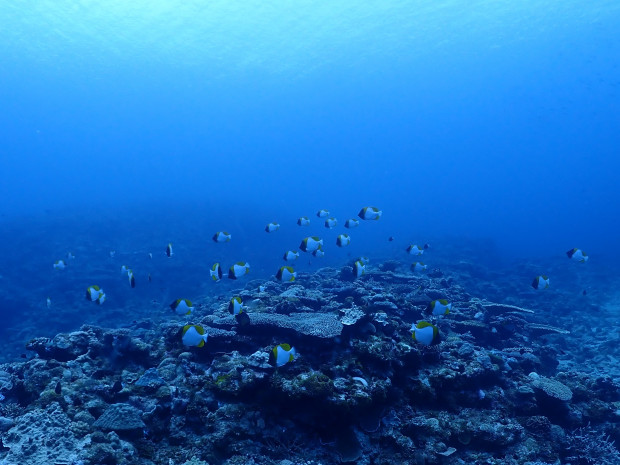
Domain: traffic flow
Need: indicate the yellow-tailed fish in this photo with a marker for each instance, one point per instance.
(319, 253)
(370, 213)
(216, 272)
(540, 282)
(359, 269)
(310, 244)
(131, 278)
(60, 265)
(578, 255)
(271, 227)
(194, 336)
(291, 255)
(286, 274)
(424, 333)
(439, 307)
(221, 236)
(343, 240)
(238, 270)
(182, 307)
(331, 223)
(303, 221)
(282, 354)
(235, 306)
(415, 250)
(322, 213)
(351, 223)
(418, 266)
(95, 294)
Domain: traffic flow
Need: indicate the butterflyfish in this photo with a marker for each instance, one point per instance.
(182, 307)
(439, 307)
(216, 272)
(370, 213)
(286, 274)
(283, 353)
(424, 333)
(238, 269)
(95, 294)
(221, 236)
(194, 336)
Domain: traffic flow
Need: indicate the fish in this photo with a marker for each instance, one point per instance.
(370, 213)
(415, 250)
(169, 252)
(150, 279)
(95, 294)
(291, 255)
(221, 236)
(216, 272)
(540, 282)
(331, 222)
(391, 239)
(418, 266)
(182, 307)
(578, 255)
(439, 307)
(424, 333)
(322, 213)
(343, 240)
(238, 269)
(351, 223)
(112, 253)
(310, 244)
(48, 303)
(70, 256)
(359, 269)
(194, 336)
(282, 354)
(235, 306)
(319, 253)
(124, 269)
(303, 221)
(271, 227)
(286, 274)
(60, 265)
(150, 255)
(131, 278)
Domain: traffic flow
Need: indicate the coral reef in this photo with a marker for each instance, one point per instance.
(499, 386)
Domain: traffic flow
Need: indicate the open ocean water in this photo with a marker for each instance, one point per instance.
(463, 303)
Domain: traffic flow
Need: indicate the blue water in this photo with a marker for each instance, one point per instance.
(127, 125)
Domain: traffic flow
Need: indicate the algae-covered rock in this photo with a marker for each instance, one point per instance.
(150, 379)
(41, 436)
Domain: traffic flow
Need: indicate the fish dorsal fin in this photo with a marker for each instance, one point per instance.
(285, 347)
(186, 328)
